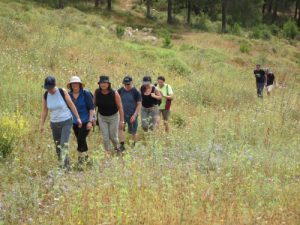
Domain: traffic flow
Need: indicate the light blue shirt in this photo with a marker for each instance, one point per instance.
(58, 108)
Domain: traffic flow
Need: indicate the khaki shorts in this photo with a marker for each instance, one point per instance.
(165, 114)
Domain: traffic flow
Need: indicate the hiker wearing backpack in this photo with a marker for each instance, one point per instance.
(110, 112)
(83, 100)
(150, 101)
(131, 101)
(167, 97)
(260, 76)
(270, 81)
(59, 103)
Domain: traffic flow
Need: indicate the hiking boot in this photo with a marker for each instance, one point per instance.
(122, 148)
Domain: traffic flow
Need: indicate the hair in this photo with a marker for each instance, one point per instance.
(161, 78)
(109, 87)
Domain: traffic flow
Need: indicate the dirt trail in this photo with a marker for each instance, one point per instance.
(126, 4)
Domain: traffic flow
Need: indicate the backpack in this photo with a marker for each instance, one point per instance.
(61, 91)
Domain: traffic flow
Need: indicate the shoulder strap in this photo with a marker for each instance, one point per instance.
(120, 90)
(45, 95)
(62, 93)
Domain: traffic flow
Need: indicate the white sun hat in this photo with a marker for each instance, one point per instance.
(74, 79)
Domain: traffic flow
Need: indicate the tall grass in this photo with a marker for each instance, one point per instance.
(230, 159)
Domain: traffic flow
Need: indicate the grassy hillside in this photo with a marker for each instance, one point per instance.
(230, 159)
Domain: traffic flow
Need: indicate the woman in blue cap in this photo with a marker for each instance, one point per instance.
(59, 103)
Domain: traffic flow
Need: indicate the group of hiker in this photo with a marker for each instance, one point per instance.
(111, 110)
(264, 78)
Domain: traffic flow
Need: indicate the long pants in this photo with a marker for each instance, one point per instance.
(109, 126)
(149, 117)
(81, 135)
(61, 134)
(260, 89)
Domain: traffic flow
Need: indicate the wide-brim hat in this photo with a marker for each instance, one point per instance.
(74, 79)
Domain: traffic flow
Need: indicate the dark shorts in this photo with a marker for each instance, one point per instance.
(132, 127)
(165, 114)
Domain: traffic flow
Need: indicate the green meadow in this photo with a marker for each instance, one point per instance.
(230, 158)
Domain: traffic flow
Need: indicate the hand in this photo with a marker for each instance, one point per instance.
(132, 119)
(42, 129)
(153, 95)
(89, 126)
(121, 127)
(79, 122)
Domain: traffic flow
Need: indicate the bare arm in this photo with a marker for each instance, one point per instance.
(157, 95)
(44, 114)
(120, 106)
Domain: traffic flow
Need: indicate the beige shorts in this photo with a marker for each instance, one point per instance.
(270, 88)
(165, 114)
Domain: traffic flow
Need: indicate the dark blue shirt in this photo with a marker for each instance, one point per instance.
(84, 103)
(129, 100)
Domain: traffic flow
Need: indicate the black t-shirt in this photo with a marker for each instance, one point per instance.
(270, 78)
(147, 100)
(106, 103)
(259, 75)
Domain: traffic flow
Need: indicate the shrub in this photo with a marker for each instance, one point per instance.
(275, 30)
(245, 47)
(201, 22)
(261, 32)
(178, 67)
(290, 29)
(12, 127)
(120, 31)
(167, 41)
(235, 29)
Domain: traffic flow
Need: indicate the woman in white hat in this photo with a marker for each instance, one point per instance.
(83, 100)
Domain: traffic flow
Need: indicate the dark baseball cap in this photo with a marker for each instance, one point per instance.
(127, 80)
(103, 79)
(50, 82)
(147, 79)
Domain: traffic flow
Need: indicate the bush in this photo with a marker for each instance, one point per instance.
(120, 31)
(178, 67)
(235, 29)
(12, 127)
(201, 22)
(290, 29)
(275, 30)
(167, 41)
(245, 47)
(261, 32)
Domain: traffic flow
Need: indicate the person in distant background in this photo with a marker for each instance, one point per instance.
(270, 81)
(59, 103)
(260, 76)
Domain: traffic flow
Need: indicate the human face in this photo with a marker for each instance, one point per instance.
(258, 67)
(104, 86)
(128, 86)
(75, 87)
(161, 83)
(52, 90)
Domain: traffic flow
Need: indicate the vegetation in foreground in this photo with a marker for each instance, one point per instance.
(230, 159)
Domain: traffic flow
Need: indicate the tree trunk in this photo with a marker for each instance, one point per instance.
(109, 5)
(299, 15)
(97, 2)
(189, 7)
(224, 15)
(270, 6)
(274, 17)
(296, 9)
(148, 3)
(170, 7)
(264, 7)
(61, 4)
